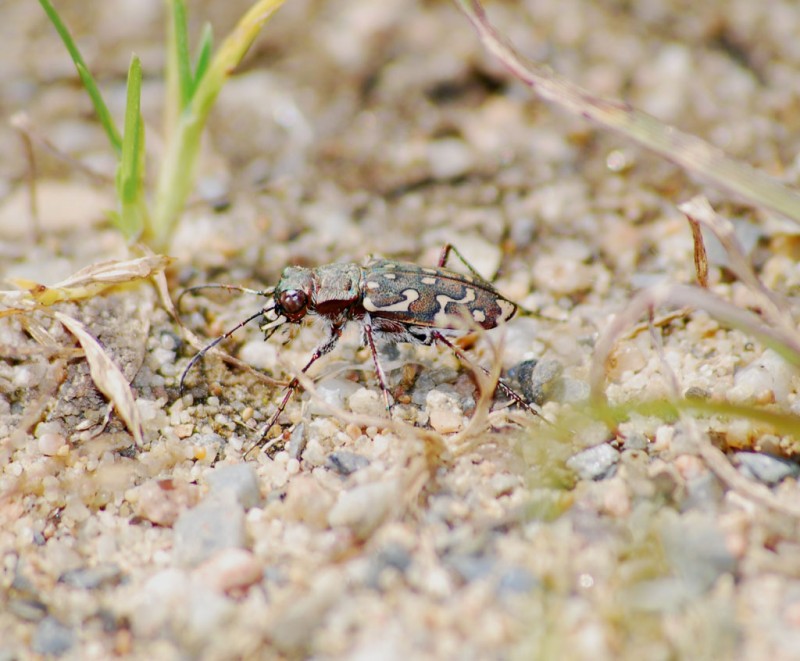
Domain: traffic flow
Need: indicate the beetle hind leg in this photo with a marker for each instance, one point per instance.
(507, 390)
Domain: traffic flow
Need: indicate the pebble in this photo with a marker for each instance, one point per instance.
(172, 602)
(306, 500)
(503, 484)
(696, 549)
(363, 508)
(345, 463)
(635, 441)
(238, 480)
(50, 444)
(230, 569)
(766, 468)
(367, 402)
(297, 441)
(560, 275)
(449, 157)
(53, 638)
(444, 412)
(295, 620)
(572, 391)
(92, 578)
(393, 556)
(261, 355)
(471, 567)
(213, 525)
(428, 380)
(703, 492)
(162, 501)
(211, 443)
(595, 463)
(537, 378)
(765, 380)
(516, 580)
(333, 393)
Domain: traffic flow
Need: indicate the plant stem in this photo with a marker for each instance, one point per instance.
(177, 172)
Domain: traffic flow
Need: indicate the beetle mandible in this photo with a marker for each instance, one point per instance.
(392, 302)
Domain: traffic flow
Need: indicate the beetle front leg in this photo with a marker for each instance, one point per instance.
(326, 347)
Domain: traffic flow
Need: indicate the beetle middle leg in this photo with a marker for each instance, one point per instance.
(368, 334)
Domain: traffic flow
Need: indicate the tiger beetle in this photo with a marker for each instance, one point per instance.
(391, 301)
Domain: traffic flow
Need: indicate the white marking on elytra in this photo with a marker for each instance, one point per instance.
(441, 318)
(371, 284)
(410, 295)
(427, 270)
(428, 281)
(507, 309)
(390, 276)
(478, 315)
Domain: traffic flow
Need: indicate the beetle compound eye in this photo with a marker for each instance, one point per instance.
(293, 301)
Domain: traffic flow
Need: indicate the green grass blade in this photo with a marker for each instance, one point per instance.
(203, 55)
(177, 171)
(181, 55)
(83, 71)
(110, 127)
(130, 174)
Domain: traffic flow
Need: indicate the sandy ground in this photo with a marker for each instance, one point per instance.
(358, 128)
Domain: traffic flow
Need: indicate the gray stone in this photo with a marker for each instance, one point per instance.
(213, 525)
(538, 380)
(52, 637)
(516, 580)
(696, 549)
(471, 567)
(91, 578)
(572, 391)
(393, 556)
(297, 441)
(703, 492)
(635, 441)
(345, 463)
(238, 480)
(363, 508)
(766, 468)
(595, 463)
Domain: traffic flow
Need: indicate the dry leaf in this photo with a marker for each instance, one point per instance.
(106, 375)
(93, 279)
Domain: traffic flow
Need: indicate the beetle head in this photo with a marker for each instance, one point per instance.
(293, 293)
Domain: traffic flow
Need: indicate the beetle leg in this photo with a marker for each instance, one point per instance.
(326, 347)
(508, 390)
(378, 367)
(447, 248)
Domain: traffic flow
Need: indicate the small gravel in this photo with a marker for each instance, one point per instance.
(345, 463)
(237, 480)
(595, 463)
(766, 469)
(52, 638)
(213, 525)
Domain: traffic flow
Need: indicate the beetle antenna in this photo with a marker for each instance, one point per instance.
(214, 285)
(222, 337)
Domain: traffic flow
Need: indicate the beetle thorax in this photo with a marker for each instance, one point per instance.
(328, 291)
